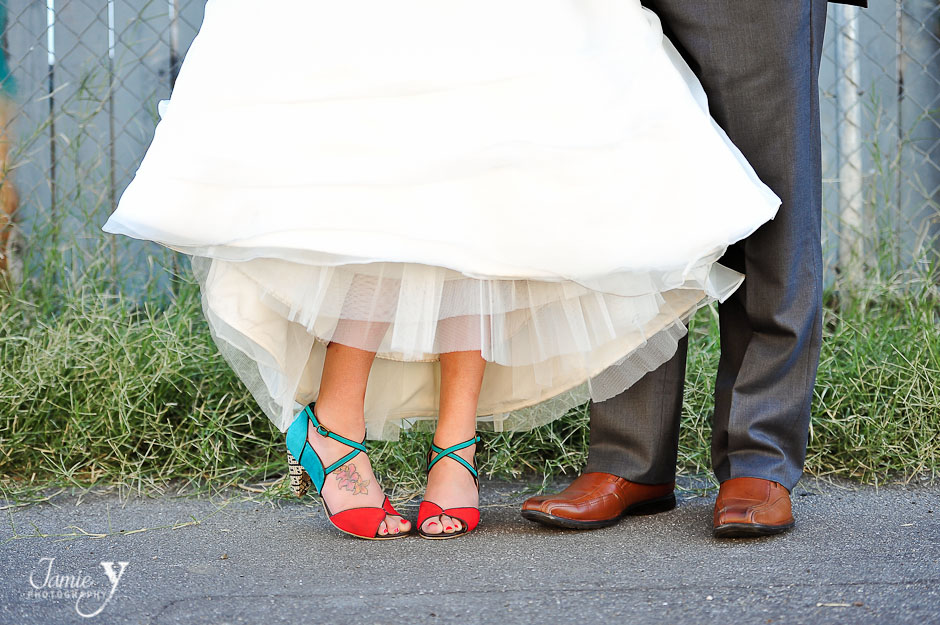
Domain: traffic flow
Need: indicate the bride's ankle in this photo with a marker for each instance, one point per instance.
(346, 423)
(445, 441)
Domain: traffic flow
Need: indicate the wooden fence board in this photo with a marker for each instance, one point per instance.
(82, 82)
(920, 112)
(31, 156)
(141, 79)
(879, 101)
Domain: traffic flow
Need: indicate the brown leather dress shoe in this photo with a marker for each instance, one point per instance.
(750, 506)
(597, 500)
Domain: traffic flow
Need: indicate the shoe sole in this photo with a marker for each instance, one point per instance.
(441, 536)
(389, 537)
(749, 530)
(643, 508)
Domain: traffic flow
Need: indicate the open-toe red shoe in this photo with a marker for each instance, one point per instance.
(468, 517)
(360, 522)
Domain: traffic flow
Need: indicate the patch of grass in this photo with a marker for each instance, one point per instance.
(877, 408)
(96, 389)
(108, 391)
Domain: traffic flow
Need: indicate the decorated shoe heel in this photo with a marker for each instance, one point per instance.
(468, 517)
(299, 479)
(359, 522)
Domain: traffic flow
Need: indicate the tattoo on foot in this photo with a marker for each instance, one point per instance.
(349, 479)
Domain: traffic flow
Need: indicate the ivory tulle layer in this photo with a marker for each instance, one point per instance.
(537, 179)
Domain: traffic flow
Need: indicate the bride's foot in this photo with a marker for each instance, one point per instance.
(450, 485)
(352, 485)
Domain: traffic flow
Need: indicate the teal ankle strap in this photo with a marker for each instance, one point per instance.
(322, 430)
(449, 452)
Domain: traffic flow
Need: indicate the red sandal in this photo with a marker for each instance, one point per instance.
(359, 522)
(469, 517)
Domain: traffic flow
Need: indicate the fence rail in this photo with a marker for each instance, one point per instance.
(85, 77)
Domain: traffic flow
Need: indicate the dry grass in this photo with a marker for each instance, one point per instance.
(97, 389)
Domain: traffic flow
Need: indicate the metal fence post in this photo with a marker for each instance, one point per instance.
(851, 199)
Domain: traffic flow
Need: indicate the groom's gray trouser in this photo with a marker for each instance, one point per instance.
(759, 64)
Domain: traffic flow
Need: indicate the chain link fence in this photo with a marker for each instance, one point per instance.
(81, 80)
(84, 80)
(880, 88)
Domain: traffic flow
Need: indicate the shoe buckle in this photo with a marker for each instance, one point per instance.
(322, 431)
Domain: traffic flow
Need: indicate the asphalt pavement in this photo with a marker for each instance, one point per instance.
(857, 555)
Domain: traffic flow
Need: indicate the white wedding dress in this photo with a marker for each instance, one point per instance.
(536, 179)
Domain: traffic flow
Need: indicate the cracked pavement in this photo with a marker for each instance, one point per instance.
(857, 555)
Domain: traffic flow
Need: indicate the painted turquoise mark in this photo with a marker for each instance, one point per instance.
(7, 84)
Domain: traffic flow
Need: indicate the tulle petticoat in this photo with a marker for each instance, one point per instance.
(549, 346)
(546, 187)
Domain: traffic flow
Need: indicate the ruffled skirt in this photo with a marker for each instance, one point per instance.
(536, 179)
